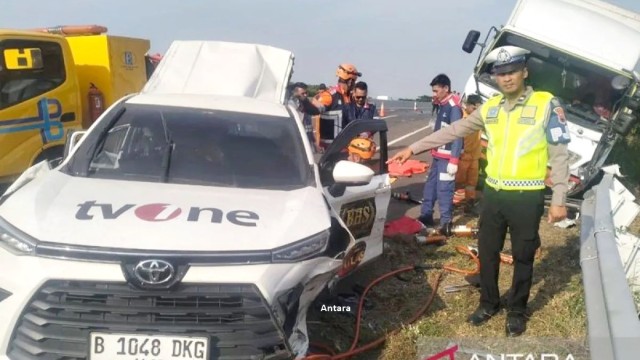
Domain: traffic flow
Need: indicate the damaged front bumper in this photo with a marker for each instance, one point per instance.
(49, 307)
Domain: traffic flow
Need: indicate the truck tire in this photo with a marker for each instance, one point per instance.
(50, 154)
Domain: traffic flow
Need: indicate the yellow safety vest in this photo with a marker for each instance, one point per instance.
(517, 150)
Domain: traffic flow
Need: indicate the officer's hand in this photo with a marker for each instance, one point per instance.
(557, 213)
(401, 156)
(452, 169)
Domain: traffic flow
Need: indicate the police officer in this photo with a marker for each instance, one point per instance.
(526, 130)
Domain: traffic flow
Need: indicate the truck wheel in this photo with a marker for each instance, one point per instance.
(50, 154)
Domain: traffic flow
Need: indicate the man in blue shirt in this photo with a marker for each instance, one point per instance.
(360, 108)
(440, 183)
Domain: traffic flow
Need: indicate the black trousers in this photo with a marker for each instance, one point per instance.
(519, 212)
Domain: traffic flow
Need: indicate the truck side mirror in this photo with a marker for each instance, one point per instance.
(471, 41)
(73, 137)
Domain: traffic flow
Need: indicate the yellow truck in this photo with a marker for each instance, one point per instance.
(55, 80)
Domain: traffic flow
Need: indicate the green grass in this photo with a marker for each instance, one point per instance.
(556, 299)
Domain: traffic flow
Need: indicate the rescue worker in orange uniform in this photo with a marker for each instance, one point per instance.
(332, 103)
(467, 175)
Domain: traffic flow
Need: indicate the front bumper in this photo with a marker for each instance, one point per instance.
(55, 304)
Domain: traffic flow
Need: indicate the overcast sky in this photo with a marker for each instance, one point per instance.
(399, 46)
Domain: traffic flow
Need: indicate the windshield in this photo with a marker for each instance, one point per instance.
(584, 88)
(198, 147)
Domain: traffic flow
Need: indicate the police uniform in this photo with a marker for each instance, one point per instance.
(524, 135)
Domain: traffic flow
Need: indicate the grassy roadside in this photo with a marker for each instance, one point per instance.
(556, 301)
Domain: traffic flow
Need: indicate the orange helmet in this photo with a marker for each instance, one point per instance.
(363, 147)
(347, 72)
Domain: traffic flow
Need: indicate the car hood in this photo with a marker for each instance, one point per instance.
(59, 208)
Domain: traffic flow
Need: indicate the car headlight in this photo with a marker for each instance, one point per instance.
(302, 250)
(15, 241)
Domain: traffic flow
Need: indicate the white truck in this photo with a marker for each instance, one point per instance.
(191, 221)
(587, 53)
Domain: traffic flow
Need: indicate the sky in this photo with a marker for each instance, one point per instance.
(398, 46)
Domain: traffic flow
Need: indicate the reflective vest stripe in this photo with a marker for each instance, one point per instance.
(515, 183)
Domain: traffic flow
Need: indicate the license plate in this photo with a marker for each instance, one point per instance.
(115, 346)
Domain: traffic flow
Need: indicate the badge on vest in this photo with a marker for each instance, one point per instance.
(492, 115)
(529, 112)
(526, 121)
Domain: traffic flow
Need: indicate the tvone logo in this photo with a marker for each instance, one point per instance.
(165, 212)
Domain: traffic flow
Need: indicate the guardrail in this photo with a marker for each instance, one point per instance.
(613, 324)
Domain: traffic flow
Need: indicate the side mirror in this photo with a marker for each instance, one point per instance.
(471, 41)
(352, 174)
(73, 137)
(347, 173)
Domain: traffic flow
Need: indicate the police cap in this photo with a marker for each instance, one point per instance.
(507, 58)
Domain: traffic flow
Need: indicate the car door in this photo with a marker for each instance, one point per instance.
(363, 208)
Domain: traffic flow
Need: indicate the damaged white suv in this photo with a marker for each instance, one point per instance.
(191, 221)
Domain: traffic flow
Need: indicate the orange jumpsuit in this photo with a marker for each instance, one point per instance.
(468, 168)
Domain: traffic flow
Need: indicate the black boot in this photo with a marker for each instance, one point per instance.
(481, 316)
(516, 323)
(427, 220)
(446, 229)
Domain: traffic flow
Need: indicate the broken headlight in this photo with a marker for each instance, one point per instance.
(14, 240)
(302, 250)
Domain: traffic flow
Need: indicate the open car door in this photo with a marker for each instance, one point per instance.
(362, 208)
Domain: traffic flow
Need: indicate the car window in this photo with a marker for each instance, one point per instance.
(29, 69)
(201, 147)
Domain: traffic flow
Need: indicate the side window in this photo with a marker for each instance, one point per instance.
(29, 69)
(109, 153)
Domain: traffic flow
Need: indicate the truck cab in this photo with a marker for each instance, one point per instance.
(45, 83)
(574, 57)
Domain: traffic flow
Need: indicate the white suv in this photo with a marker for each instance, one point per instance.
(189, 222)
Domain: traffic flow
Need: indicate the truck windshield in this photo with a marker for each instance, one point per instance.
(584, 88)
(198, 147)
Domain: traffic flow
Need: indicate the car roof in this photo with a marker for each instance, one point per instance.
(213, 102)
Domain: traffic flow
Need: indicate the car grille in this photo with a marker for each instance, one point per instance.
(57, 322)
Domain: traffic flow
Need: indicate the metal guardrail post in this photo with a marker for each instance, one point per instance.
(613, 325)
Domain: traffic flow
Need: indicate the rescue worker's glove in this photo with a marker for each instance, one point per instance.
(452, 169)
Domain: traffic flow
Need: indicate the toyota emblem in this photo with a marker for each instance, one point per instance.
(154, 272)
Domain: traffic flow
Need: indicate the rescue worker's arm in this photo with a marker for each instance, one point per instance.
(458, 129)
(308, 107)
(456, 146)
(557, 139)
(322, 101)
